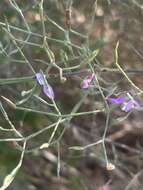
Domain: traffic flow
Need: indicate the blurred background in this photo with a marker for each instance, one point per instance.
(73, 29)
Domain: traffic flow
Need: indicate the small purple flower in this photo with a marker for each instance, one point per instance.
(40, 78)
(47, 89)
(131, 104)
(87, 82)
(126, 103)
(118, 100)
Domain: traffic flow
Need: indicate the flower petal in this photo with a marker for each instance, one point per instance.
(90, 77)
(40, 78)
(128, 106)
(131, 104)
(86, 82)
(48, 91)
(118, 100)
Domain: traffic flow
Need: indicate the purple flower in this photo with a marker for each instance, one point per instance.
(40, 78)
(127, 103)
(131, 104)
(87, 82)
(118, 100)
(47, 89)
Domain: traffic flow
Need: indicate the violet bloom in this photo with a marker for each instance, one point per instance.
(131, 104)
(40, 78)
(87, 82)
(127, 104)
(118, 100)
(47, 89)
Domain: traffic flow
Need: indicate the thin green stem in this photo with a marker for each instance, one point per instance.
(122, 71)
